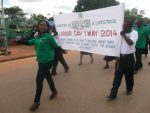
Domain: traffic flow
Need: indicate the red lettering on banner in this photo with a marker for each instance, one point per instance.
(77, 33)
(108, 33)
(90, 33)
(65, 33)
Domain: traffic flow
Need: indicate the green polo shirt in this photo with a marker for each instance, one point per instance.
(143, 34)
(44, 46)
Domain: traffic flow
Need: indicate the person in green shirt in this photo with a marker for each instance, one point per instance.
(149, 49)
(145, 52)
(44, 46)
(143, 35)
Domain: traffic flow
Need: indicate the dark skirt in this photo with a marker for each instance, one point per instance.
(85, 53)
(109, 58)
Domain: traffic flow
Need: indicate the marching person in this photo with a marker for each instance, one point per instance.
(126, 61)
(44, 46)
(149, 49)
(143, 35)
(108, 59)
(85, 53)
(58, 54)
(145, 52)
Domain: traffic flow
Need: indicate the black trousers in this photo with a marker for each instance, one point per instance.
(138, 55)
(43, 72)
(126, 67)
(59, 58)
(146, 48)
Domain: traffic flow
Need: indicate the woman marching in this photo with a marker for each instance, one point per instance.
(44, 46)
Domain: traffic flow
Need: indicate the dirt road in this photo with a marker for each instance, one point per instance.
(82, 90)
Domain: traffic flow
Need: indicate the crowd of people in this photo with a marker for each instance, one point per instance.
(49, 52)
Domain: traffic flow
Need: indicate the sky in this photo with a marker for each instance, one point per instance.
(49, 8)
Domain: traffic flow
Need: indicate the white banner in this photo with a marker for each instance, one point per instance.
(95, 31)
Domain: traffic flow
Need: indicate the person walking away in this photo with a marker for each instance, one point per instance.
(44, 46)
(126, 61)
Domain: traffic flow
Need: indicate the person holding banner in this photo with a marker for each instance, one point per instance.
(44, 46)
(126, 61)
(85, 53)
(58, 54)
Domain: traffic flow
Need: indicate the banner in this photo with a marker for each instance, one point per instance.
(95, 31)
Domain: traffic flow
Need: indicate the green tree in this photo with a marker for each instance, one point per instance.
(38, 17)
(16, 16)
(14, 12)
(146, 20)
(134, 14)
(85, 5)
(33, 20)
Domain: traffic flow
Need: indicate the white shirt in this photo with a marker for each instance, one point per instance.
(125, 47)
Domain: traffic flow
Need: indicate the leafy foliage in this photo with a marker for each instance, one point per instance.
(37, 17)
(134, 14)
(85, 5)
(14, 12)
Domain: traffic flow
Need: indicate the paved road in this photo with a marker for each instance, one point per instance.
(82, 90)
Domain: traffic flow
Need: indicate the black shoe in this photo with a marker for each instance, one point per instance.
(80, 64)
(54, 73)
(106, 67)
(128, 92)
(136, 71)
(66, 70)
(110, 98)
(140, 67)
(34, 106)
(53, 95)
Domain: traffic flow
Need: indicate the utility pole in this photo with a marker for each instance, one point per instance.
(3, 28)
